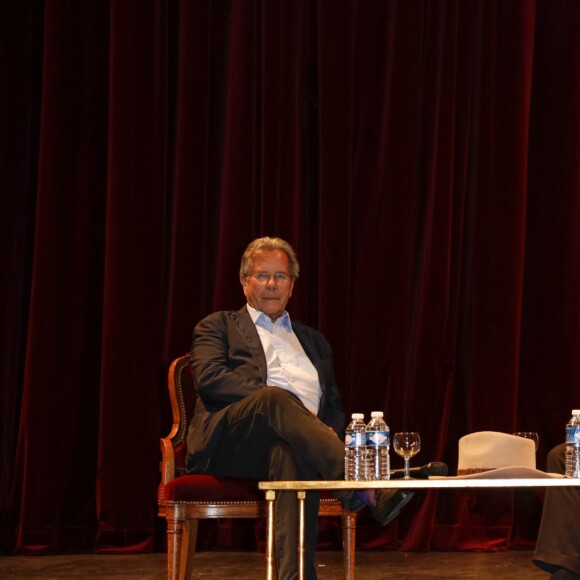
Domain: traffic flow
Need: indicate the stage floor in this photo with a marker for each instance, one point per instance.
(513, 564)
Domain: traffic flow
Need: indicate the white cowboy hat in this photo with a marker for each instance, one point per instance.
(491, 454)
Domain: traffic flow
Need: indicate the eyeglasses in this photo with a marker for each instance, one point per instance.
(264, 277)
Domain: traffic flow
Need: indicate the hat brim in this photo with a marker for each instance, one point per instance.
(512, 472)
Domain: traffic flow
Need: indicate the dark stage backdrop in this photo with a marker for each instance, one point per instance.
(421, 156)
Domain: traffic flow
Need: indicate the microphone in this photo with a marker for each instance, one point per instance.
(434, 468)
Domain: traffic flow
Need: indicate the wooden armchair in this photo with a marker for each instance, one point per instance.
(184, 499)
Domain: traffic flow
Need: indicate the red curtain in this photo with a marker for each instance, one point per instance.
(421, 157)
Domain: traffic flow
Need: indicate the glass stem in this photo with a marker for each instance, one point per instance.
(407, 469)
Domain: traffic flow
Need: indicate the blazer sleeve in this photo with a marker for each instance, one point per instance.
(224, 370)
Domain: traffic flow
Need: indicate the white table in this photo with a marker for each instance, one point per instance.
(301, 487)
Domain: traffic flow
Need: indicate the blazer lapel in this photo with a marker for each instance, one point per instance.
(307, 345)
(247, 329)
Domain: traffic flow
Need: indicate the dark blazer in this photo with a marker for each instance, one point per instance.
(228, 363)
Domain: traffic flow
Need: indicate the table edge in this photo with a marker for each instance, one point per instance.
(435, 483)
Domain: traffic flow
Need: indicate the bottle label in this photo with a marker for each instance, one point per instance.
(378, 438)
(572, 435)
(354, 439)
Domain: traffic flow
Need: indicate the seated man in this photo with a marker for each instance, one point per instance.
(558, 545)
(268, 404)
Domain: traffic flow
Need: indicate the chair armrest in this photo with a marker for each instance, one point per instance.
(166, 466)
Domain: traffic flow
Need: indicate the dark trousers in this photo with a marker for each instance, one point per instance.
(271, 435)
(558, 542)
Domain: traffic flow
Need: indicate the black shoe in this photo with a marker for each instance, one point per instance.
(563, 574)
(388, 503)
(435, 468)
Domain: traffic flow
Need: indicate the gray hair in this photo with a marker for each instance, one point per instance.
(266, 243)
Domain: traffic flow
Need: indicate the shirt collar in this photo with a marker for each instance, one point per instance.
(261, 319)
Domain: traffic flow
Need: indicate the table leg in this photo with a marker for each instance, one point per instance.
(348, 546)
(301, 498)
(270, 497)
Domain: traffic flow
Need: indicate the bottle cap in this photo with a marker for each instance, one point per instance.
(361, 415)
(576, 412)
(376, 414)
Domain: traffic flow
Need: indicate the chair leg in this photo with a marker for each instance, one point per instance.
(174, 537)
(188, 547)
(181, 541)
(348, 542)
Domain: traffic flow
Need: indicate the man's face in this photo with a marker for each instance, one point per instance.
(269, 296)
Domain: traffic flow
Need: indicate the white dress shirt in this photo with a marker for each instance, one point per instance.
(288, 366)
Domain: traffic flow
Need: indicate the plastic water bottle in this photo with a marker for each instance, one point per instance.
(378, 442)
(573, 445)
(355, 449)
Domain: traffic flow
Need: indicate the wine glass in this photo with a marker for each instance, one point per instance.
(407, 444)
(529, 435)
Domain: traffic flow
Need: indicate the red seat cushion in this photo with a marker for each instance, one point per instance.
(212, 488)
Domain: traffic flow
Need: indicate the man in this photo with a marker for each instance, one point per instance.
(268, 404)
(558, 545)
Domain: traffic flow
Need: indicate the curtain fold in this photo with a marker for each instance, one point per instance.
(59, 412)
(420, 156)
(134, 289)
